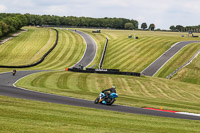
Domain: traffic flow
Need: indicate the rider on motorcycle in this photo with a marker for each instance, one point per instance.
(112, 90)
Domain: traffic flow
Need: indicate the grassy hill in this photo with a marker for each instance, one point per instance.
(69, 51)
(18, 115)
(133, 91)
(178, 60)
(28, 47)
(135, 55)
(190, 73)
(123, 53)
(32, 45)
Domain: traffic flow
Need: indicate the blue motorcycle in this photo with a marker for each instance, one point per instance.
(107, 99)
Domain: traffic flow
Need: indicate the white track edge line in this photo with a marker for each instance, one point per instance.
(84, 51)
(186, 113)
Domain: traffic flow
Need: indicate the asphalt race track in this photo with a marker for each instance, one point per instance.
(163, 59)
(90, 53)
(7, 89)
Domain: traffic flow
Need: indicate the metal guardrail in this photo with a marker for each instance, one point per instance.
(187, 63)
(103, 54)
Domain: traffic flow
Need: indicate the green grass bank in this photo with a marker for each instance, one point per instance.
(18, 115)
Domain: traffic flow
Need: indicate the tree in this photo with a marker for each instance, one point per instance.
(38, 20)
(152, 27)
(172, 28)
(135, 24)
(180, 28)
(30, 19)
(128, 26)
(23, 19)
(3, 28)
(144, 26)
(1, 34)
(11, 24)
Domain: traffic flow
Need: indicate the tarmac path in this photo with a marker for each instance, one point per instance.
(90, 52)
(153, 68)
(7, 88)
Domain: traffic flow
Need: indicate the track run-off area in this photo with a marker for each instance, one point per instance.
(7, 88)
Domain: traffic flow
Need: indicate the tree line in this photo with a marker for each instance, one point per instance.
(144, 26)
(10, 22)
(180, 28)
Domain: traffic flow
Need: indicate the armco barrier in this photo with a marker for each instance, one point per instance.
(104, 71)
(187, 63)
(38, 62)
(103, 54)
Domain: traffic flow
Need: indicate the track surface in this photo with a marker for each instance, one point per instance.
(163, 59)
(7, 89)
(90, 52)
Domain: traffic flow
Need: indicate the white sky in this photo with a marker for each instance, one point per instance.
(163, 13)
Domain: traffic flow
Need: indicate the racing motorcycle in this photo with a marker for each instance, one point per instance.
(108, 99)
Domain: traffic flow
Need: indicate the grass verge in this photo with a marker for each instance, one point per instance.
(18, 115)
(133, 91)
(178, 60)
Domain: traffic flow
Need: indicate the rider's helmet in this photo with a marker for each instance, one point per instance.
(113, 86)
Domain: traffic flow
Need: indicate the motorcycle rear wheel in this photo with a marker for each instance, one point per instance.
(111, 102)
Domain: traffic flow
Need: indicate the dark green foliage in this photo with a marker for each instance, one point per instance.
(128, 26)
(172, 28)
(144, 26)
(12, 22)
(3, 28)
(152, 27)
(180, 28)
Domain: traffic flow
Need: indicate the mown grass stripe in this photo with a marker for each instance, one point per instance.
(143, 91)
(144, 57)
(127, 53)
(25, 44)
(19, 115)
(62, 53)
(161, 92)
(53, 60)
(125, 57)
(70, 49)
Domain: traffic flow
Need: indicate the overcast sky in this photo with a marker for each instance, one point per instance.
(163, 13)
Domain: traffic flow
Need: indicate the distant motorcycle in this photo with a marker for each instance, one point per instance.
(14, 72)
(108, 99)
